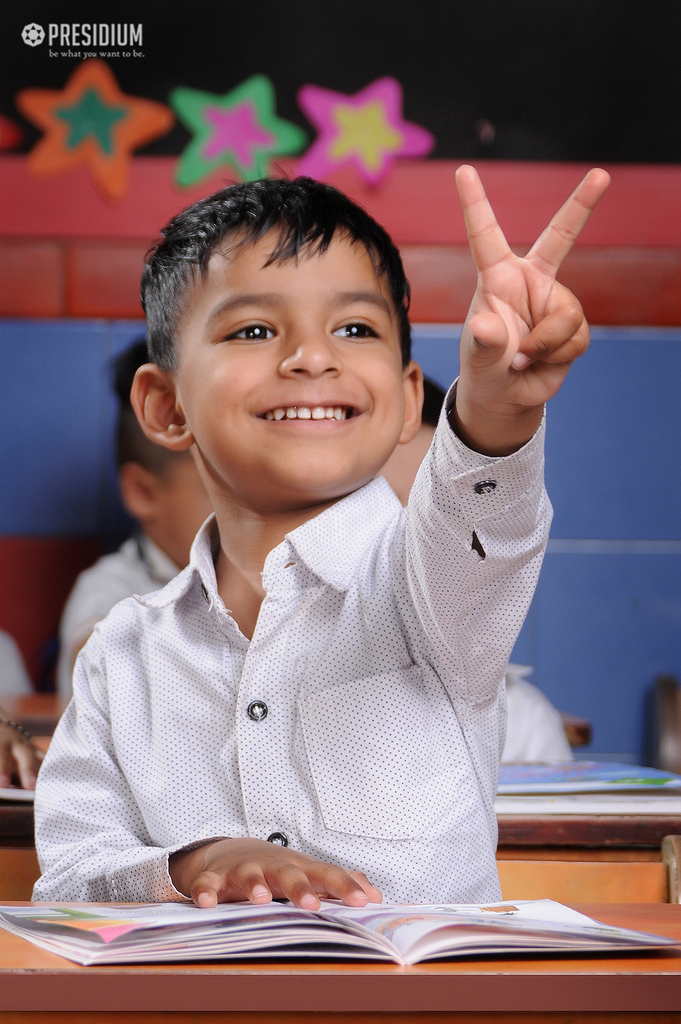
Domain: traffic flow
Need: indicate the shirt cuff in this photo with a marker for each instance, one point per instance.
(486, 485)
(177, 895)
(147, 878)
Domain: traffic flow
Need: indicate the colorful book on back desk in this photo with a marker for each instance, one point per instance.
(587, 787)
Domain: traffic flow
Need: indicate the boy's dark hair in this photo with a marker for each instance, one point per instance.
(132, 445)
(433, 397)
(307, 214)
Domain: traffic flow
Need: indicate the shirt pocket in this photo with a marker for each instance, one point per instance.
(378, 753)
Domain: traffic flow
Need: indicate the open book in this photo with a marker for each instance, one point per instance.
(92, 933)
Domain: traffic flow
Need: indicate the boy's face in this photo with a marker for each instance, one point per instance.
(290, 376)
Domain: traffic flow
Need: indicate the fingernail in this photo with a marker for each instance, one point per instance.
(203, 898)
(259, 892)
(520, 361)
(361, 896)
(310, 902)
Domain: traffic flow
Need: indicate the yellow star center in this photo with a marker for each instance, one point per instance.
(365, 132)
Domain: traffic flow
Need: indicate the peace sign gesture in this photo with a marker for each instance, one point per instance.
(523, 329)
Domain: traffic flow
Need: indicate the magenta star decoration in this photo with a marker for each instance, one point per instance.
(366, 129)
(240, 128)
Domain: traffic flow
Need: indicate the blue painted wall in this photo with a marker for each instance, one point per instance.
(56, 427)
(606, 617)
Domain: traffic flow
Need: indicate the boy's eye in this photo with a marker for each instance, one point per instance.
(355, 331)
(254, 332)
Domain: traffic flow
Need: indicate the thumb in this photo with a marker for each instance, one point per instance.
(489, 339)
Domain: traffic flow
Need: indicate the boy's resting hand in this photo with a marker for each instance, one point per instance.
(229, 870)
(523, 329)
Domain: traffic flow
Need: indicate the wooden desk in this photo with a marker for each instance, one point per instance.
(584, 837)
(37, 712)
(562, 837)
(16, 824)
(34, 984)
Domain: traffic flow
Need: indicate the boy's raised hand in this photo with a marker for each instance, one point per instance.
(229, 870)
(523, 329)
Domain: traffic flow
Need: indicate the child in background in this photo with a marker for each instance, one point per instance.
(163, 491)
(14, 678)
(401, 468)
(315, 705)
(18, 757)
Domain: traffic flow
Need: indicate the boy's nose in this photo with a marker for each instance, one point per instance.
(313, 356)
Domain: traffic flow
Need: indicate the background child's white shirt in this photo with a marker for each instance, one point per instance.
(14, 679)
(534, 731)
(379, 655)
(138, 567)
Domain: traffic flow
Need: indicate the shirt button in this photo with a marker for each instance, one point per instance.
(257, 710)
(485, 486)
(278, 839)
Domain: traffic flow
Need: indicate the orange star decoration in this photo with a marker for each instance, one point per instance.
(91, 121)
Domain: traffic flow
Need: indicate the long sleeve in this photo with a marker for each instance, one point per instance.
(476, 532)
(91, 838)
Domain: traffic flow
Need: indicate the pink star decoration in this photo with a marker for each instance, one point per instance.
(366, 129)
(236, 129)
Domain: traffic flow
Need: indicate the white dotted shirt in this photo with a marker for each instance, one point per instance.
(138, 567)
(379, 658)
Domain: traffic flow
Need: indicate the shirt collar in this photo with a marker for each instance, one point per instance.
(200, 563)
(331, 544)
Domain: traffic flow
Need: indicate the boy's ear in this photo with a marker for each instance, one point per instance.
(139, 489)
(412, 382)
(154, 399)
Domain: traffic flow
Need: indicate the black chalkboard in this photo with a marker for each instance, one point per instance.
(585, 80)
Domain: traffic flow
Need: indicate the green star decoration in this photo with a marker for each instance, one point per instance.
(90, 116)
(240, 128)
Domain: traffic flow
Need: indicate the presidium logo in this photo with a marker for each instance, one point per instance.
(84, 40)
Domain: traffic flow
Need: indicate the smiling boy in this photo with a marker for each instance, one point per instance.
(315, 705)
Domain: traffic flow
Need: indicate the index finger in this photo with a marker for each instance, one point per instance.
(352, 887)
(557, 239)
(485, 237)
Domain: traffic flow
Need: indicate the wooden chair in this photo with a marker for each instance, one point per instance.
(19, 871)
(666, 724)
(583, 881)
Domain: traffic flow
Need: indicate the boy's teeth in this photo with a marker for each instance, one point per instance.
(303, 412)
